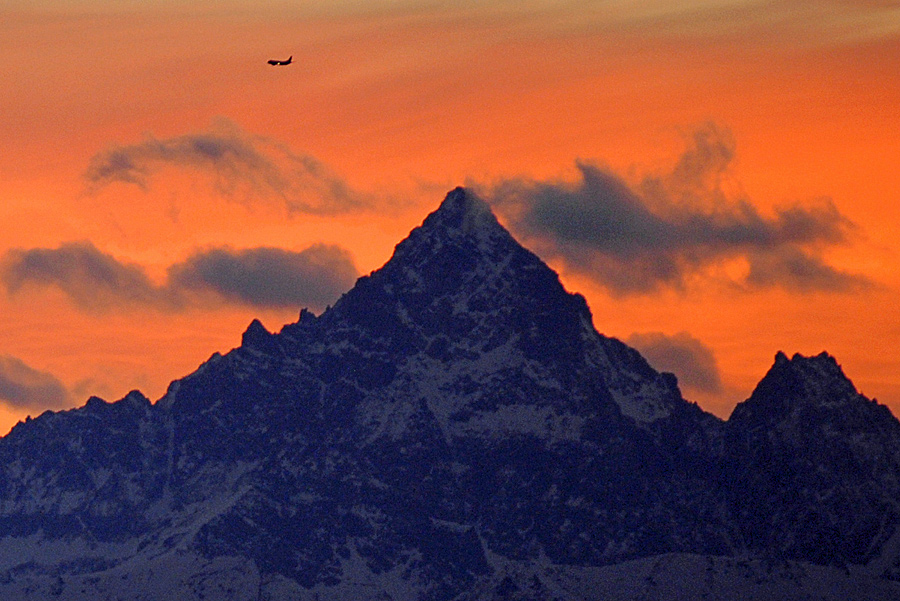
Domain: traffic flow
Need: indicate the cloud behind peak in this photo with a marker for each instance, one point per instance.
(689, 359)
(673, 227)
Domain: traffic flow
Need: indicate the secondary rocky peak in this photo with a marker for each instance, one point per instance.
(800, 388)
(808, 443)
(136, 398)
(801, 378)
(256, 335)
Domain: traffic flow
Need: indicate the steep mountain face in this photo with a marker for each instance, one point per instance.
(453, 428)
(461, 396)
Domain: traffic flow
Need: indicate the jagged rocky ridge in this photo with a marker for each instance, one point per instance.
(453, 428)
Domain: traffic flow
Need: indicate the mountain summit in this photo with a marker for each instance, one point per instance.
(452, 428)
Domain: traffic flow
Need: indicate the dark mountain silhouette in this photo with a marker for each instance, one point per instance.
(453, 428)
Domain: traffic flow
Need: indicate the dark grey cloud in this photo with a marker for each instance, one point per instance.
(24, 387)
(673, 227)
(268, 277)
(261, 277)
(243, 167)
(797, 271)
(683, 355)
(93, 280)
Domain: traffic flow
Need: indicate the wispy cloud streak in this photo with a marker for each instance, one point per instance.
(673, 227)
(243, 167)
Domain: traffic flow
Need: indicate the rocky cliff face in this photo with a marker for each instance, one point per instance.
(453, 428)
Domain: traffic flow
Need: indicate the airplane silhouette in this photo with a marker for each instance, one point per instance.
(276, 62)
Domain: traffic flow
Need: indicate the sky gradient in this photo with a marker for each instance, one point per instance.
(718, 178)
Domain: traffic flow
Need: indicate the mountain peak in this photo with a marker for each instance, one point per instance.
(458, 246)
(799, 383)
(461, 217)
(460, 286)
(819, 376)
(462, 210)
(256, 335)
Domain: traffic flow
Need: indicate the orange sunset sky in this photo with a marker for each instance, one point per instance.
(719, 178)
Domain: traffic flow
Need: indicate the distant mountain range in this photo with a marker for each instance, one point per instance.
(454, 428)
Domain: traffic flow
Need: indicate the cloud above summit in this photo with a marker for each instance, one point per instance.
(669, 228)
(243, 167)
(261, 277)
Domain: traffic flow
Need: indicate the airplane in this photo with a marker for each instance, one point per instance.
(276, 62)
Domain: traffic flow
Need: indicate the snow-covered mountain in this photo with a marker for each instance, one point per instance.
(453, 428)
